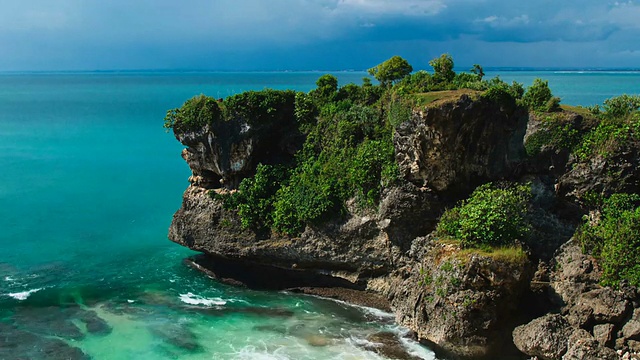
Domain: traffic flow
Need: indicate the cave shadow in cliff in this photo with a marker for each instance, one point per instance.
(265, 277)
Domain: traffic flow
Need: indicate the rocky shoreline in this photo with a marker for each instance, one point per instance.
(464, 304)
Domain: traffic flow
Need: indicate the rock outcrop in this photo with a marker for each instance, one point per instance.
(591, 319)
(458, 145)
(221, 154)
(463, 303)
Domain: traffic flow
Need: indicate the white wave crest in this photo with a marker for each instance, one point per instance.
(24, 294)
(193, 299)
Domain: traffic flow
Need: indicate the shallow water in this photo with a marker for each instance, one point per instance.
(88, 186)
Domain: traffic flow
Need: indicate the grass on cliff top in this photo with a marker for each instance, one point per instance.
(436, 98)
(510, 254)
(506, 254)
(580, 110)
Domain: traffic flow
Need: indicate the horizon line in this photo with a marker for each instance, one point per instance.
(202, 71)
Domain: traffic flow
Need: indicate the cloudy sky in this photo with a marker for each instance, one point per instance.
(314, 34)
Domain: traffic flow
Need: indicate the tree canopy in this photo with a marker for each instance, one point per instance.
(390, 71)
(443, 68)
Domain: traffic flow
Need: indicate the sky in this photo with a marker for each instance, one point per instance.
(52, 35)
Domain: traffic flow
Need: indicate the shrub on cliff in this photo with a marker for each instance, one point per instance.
(255, 196)
(621, 106)
(348, 154)
(556, 132)
(613, 238)
(326, 90)
(492, 216)
(195, 113)
(538, 97)
(443, 68)
(258, 107)
(507, 95)
(619, 125)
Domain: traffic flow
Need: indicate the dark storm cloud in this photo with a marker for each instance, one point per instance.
(299, 34)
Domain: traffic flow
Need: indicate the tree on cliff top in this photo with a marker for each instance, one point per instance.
(390, 71)
(327, 88)
(443, 68)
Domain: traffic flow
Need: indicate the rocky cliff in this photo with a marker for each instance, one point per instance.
(463, 303)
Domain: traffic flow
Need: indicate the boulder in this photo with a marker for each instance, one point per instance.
(582, 346)
(545, 337)
(598, 306)
(604, 334)
(631, 329)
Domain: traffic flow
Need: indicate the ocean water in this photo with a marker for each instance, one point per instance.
(89, 181)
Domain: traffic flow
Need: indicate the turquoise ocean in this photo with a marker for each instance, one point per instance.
(89, 181)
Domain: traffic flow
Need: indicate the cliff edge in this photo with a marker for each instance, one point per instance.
(383, 237)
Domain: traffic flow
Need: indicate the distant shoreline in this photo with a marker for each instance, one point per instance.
(183, 71)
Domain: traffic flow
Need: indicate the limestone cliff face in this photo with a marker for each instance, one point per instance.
(222, 154)
(460, 144)
(466, 305)
(443, 152)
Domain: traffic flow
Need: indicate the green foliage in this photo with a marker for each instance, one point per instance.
(309, 197)
(478, 70)
(255, 196)
(348, 153)
(501, 95)
(399, 110)
(614, 239)
(443, 78)
(305, 111)
(327, 88)
(611, 134)
(556, 132)
(621, 106)
(443, 68)
(468, 81)
(538, 97)
(351, 92)
(195, 113)
(418, 82)
(259, 107)
(504, 94)
(391, 71)
(493, 216)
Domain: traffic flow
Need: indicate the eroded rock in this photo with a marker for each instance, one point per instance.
(582, 346)
(545, 337)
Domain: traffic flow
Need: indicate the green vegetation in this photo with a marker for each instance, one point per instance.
(348, 154)
(391, 70)
(195, 113)
(348, 158)
(256, 107)
(614, 239)
(557, 131)
(477, 70)
(256, 195)
(493, 216)
(513, 254)
(538, 97)
(443, 68)
(618, 125)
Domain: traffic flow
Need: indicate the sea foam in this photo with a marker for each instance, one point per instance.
(193, 299)
(24, 294)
